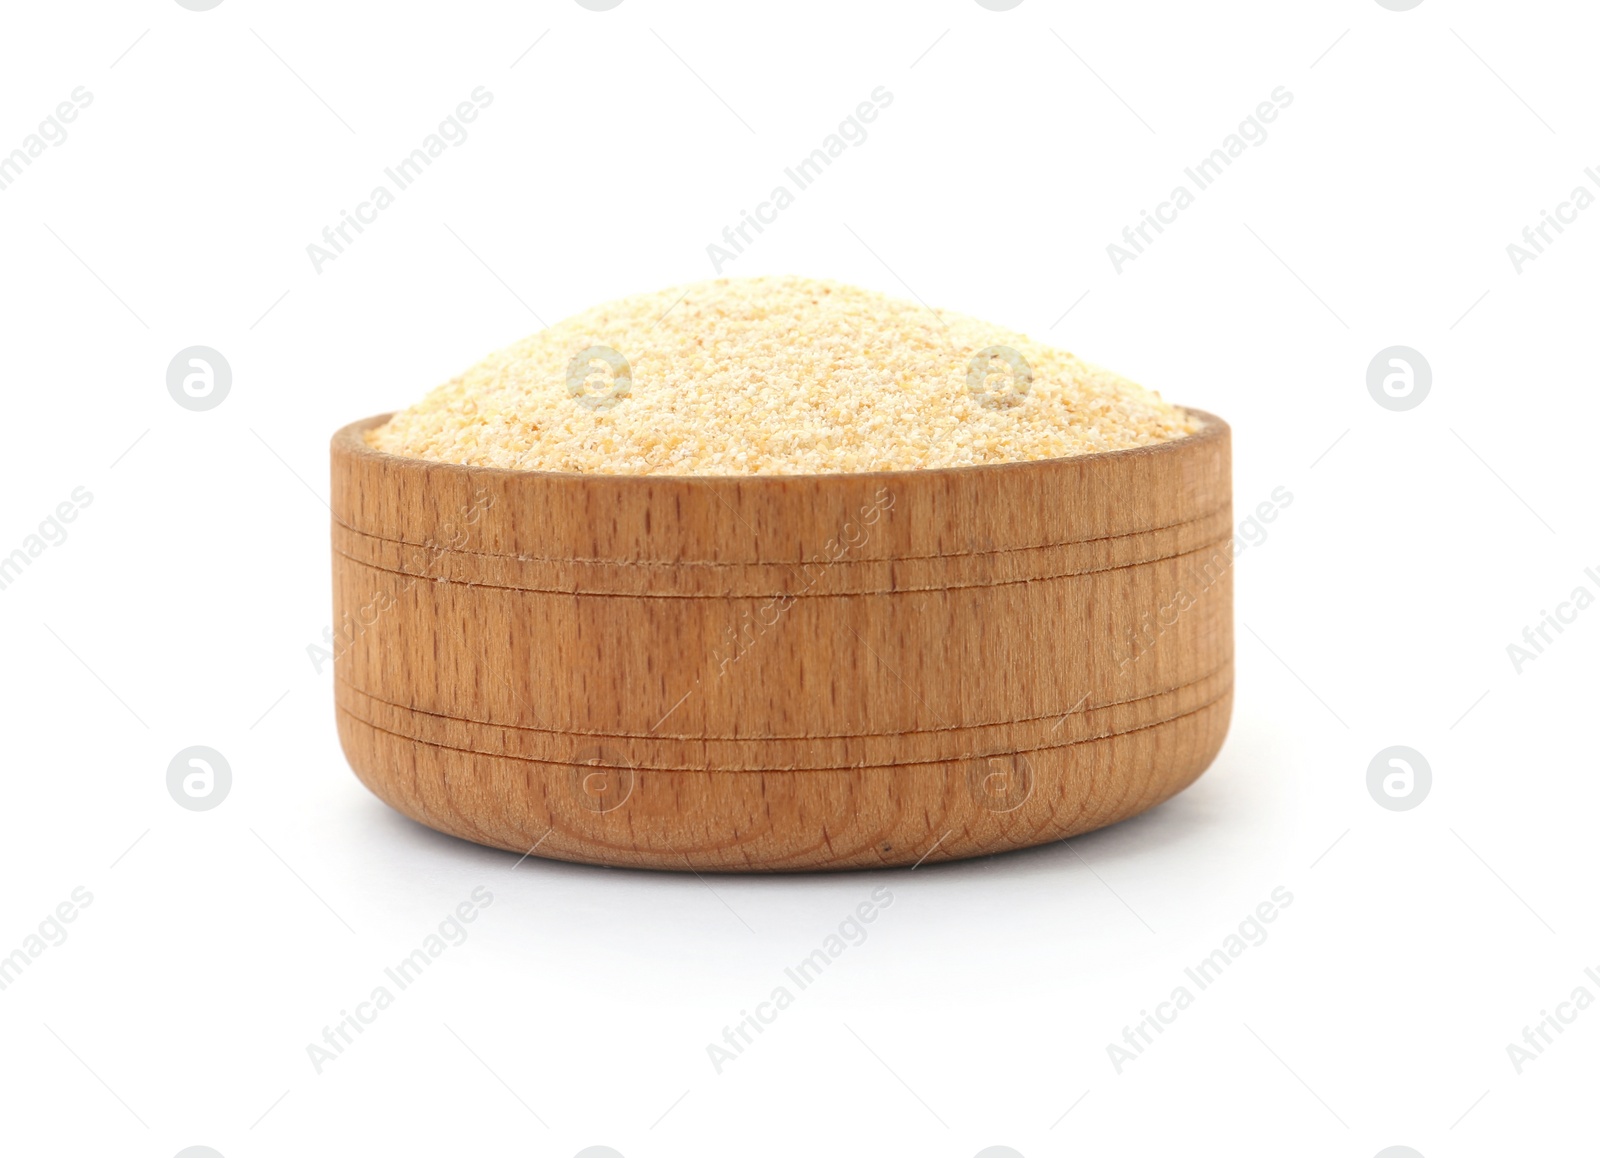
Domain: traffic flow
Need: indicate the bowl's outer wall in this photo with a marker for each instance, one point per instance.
(799, 672)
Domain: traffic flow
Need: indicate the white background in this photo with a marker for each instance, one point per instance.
(1378, 611)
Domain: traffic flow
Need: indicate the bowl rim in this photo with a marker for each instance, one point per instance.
(348, 439)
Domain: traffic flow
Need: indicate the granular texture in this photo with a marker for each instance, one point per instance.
(775, 375)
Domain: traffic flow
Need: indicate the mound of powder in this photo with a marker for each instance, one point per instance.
(775, 375)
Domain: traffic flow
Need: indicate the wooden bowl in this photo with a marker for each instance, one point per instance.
(783, 673)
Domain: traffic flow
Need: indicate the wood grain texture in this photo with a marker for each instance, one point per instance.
(783, 673)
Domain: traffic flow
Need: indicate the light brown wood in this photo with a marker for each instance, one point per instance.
(783, 673)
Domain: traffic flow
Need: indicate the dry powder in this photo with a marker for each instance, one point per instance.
(775, 375)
